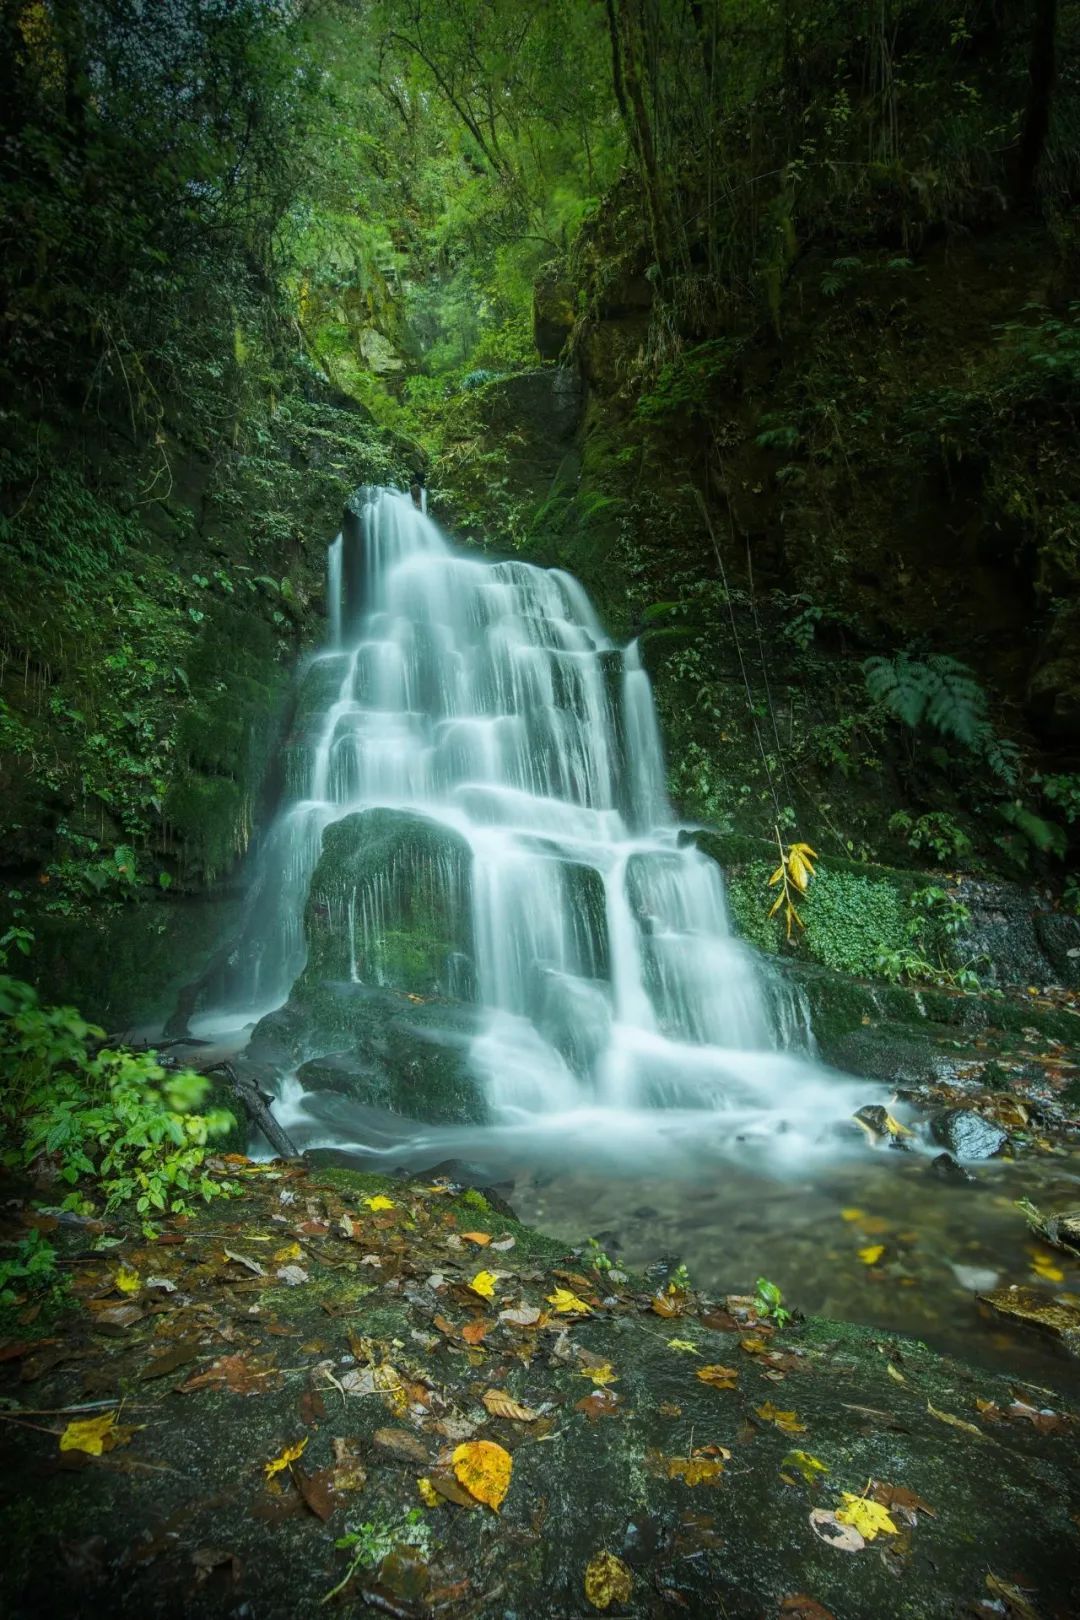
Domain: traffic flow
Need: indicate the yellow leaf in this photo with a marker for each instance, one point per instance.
(894, 1127)
(378, 1202)
(894, 1373)
(607, 1580)
(95, 1435)
(777, 875)
(484, 1469)
(954, 1422)
(787, 1421)
(719, 1377)
(871, 1254)
(797, 872)
(775, 907)
(481, 1239)
(127, 1280)
(851, 1214)
(428, 1494)
(685, 1345)
(289, 1455)
(870, 1519)
(695, 1470)
(1043, 1266)
(291, 1251)
(804, 850)
(809, 1467)
(484, 1284)
(568, 1304)
(601, 1375)
(753, 1346)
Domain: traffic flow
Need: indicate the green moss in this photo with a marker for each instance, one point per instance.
(851, 920)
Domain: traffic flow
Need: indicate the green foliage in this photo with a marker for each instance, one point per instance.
(32, 1269)
(108, 1122)
(938, 691)
(850, 919)
(769, 1301)
(932, 933)
(936, 833)
(690, 383)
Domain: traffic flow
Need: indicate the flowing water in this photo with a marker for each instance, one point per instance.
(633, 1055)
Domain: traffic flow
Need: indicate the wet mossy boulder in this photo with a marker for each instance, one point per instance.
(389, 905)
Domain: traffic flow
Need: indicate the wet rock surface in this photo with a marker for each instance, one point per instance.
(967, 1135)
(336, 1352)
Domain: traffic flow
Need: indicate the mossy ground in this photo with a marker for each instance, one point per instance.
(382, 1353)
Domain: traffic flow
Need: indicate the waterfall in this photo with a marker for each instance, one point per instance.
(486, 697)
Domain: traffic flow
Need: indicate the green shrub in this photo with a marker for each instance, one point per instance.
(110, 1122)
(851, 919)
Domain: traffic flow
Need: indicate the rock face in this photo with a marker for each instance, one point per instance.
(553, 315)
(387, 1023)
(968, 1135)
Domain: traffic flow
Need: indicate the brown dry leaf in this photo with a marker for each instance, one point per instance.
(720, 1322)
(601, 1403)
(245, 1260)
(476, 1330)
(445, 1485)
(319, 1491)
(500, 1404)
(445, 1326)
(663, 1306)
(180, 1354)
(484, 1469)
(522, 1316)
(899, 1500)
(481, 1239)
(238, 1374)
(787, 1421)
(719, 1377)
(401, 1444)
(607, 1580)
(753, 1346)
(800, 1607)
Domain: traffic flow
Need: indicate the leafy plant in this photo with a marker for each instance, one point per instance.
(31, 1269)
(938, 691)
(936, 831)
(934, 928)
(769, 1301)
(115, 1121)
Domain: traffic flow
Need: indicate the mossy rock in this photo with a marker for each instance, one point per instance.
(393, 887)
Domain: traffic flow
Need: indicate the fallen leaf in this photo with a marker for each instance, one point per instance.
(292, 1276)
(484, 1284)
(291, 1251)
(809, 1467)
(664, 1306)
(166, 1284)
(246, 1260)
(695, 1470)
(894, 1373)
(685, 1345)
(237, 1374)
(504, 1243)
(800, 1607)
(378, 1202)
(851, 1214)
(607, 1580)
(899, 1500)
(568, 1304)
(604, 1374)
(180, 1354)
(827, 1528)
(1043, 1266)
(522, 1316)
(428, 1494)
(484, 1469)
(753, 1346)
(955, 1422)
(719, 1377)
(787, 1421)
(476, 1330)
(95, 1435)
(445, 1485)
(601, 1403)
(500, 1404)
(481, 1239)
(871, 1254)
(868, 1517)
(401, 1444)
(289, 1455)
(1017, 1602)
(127, 1280)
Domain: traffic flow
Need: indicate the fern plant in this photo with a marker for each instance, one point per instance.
(938, 691)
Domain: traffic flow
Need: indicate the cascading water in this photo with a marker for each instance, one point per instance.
(486, 697)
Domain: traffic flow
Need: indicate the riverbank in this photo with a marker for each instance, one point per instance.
(332, 1355)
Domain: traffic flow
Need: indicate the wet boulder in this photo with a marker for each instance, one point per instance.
(967, 1135)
